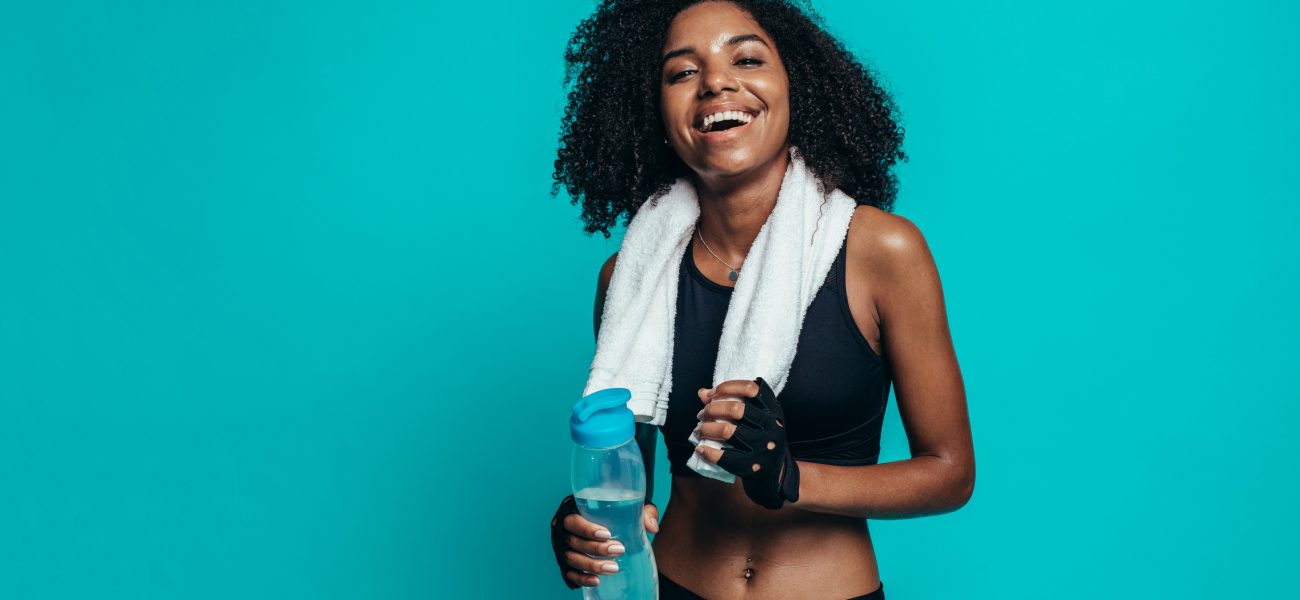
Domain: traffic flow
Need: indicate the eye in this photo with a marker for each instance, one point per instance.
(749, 61)
(679, 75)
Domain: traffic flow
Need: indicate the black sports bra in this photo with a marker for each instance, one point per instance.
(835, 394)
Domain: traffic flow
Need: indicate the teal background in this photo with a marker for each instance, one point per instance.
(286, 310)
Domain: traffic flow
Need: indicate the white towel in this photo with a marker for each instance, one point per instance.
(782, 272)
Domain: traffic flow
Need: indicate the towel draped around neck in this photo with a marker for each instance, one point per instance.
(786, 265)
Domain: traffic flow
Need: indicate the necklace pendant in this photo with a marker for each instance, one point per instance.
(732, 275)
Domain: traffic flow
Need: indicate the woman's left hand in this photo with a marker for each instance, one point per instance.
(747, 415)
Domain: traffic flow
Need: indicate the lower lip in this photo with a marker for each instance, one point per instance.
(724, 135)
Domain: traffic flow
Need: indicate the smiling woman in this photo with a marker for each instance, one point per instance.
(614, 153)
(722, 97)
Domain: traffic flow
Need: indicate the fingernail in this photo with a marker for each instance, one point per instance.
(616, 549)
(602, 534)
(654, 522)
(609, 567)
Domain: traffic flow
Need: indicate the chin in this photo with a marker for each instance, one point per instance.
(729, 163)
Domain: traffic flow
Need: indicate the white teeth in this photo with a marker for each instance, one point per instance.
(726, 115)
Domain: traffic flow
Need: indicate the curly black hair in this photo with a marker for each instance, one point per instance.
(612, 157)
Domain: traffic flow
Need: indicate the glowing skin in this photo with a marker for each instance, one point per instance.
(715, 540)
(718, 58)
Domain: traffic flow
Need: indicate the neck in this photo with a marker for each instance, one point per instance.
(733, 210)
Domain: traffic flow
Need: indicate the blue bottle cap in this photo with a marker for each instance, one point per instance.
(602, 419)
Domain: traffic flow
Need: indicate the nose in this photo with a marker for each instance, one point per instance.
(715, 81)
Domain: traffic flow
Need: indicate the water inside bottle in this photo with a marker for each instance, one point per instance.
(620, 512)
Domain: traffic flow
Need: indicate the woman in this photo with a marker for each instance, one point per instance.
(650, 76)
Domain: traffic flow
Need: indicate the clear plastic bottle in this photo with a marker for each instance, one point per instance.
(609, 485)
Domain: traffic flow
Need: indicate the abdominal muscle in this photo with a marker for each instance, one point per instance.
(712, 536)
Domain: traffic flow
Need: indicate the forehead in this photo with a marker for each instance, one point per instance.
(710, 24)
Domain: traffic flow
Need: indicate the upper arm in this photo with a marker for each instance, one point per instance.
(646, 434)
(602, 285)
(917, 342)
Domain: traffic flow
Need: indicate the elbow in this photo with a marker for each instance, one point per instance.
(964, 494)
(965, 487)
(961, 486)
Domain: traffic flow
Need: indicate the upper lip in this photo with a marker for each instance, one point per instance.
(721, 107)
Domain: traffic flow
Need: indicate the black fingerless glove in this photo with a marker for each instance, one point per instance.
(759, 441)
(560, 537)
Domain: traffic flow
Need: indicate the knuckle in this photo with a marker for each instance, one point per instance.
(573, 524)
(580, 578)
(581, 561)
(576, 543)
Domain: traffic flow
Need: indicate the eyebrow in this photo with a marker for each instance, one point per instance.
(744, 37)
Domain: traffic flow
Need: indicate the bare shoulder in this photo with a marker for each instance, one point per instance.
(606, 273)
(602, 285)
(886, 244)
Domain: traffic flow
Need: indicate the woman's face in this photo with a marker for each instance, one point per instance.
(724, 93)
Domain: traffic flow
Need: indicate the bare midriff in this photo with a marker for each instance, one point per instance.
(718, 543)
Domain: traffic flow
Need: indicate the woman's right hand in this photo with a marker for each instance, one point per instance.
(589, 551)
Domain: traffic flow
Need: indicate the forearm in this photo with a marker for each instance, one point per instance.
(918, 486)
(646, 438)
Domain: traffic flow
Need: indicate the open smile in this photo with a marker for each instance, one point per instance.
(723, 124)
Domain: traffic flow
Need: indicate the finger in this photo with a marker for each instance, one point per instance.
(651, 517)
(580, 578)
(736, 388)
(582, 562)
(579, 526)
(754, 417)
(720, 431)
(705, 394)
(595, 548)
(722, 408)
(741, 464)
(708, 454)
(754, 441)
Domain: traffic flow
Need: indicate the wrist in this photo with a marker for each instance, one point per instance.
(791, 479)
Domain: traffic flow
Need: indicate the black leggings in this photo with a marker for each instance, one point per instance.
(671, 590)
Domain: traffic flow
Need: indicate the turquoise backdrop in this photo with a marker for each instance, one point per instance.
(286, 310)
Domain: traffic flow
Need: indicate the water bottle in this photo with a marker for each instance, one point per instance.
(609, 486)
